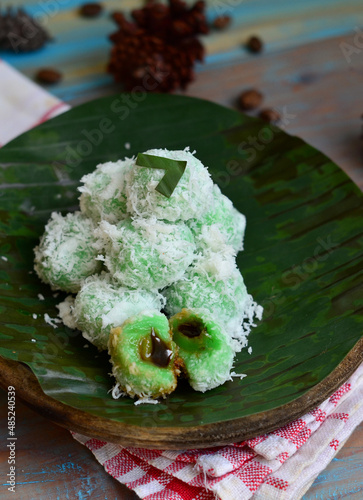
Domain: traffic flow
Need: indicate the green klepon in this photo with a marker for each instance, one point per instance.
(143, 356)
(104, 191)
(213, 283)
(205, 350)
(146, 253)
(174, 169)
(191, 198)
(222, 224)
(65, 256)
(102, 304)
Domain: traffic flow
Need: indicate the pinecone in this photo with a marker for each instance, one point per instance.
(157, 51)
(20, 33)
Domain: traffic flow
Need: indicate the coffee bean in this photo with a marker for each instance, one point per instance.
(250, 99)
(254, 44)
(91, 9)
(221, 22)
(48, 75)
(270, 115)
(140, 73)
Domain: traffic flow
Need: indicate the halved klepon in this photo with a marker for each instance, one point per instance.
(204, 349)
(143, 356)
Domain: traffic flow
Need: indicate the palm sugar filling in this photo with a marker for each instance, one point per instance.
(192, 328)
(154, 349)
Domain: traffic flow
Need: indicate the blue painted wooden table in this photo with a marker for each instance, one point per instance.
(311, 71)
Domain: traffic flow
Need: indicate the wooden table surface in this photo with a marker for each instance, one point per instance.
(311, 71)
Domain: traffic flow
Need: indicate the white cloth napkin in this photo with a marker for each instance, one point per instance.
(281, 465)
(23, 104)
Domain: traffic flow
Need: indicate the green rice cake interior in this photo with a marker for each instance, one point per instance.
(204, 349)
(192, 334)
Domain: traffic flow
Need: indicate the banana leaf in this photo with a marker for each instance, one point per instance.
(302, 261)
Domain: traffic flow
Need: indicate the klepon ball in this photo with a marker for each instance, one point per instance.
(65, 256)
(102, 304)
(191, 198)
(146, 253)
(103, 192)
(143, 356)
(204, 349)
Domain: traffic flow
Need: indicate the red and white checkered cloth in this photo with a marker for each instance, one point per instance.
(276, 466)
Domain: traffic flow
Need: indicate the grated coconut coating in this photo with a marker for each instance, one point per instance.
(65, 256)
(146, 253)
(222, 222)
(215, 285)
(191, 198)
(66, 309)
(104, 191)
(101, 305)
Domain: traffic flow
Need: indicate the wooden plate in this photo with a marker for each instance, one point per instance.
(303, 262)
(202, 436)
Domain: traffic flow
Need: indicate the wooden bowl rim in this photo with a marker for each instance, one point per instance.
(28, 389)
